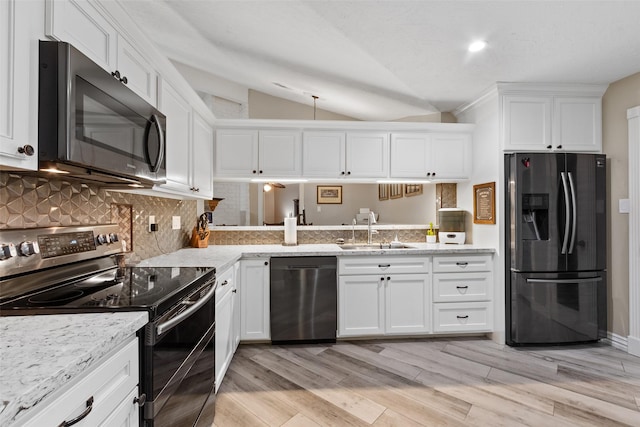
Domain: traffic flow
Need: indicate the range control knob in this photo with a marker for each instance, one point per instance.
(29, 248)
(102, 239)
(113, 237)
(7, 251)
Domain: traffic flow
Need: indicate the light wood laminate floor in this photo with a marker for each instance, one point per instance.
(431, 382)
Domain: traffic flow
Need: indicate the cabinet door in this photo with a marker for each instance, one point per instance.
(224, 339)
(236, 153)
(254, 300)
(279, 153)
(577, 123)
(526, 122)
(19, 83)
(202, 159)
(451, 156)
(141, 76)
(360, 305)
(126, 414)
(410, 155)
(367, 155)
(82, 25)
(178, 112)
(407, 303)
(323, 154)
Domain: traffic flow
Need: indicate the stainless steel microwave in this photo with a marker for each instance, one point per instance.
(91, 126)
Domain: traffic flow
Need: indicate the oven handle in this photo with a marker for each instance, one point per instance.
(163, 327)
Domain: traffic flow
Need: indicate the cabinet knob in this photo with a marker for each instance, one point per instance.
(433, 174)
(382, 279)
(349, 173)
(559, 147)
(342, 173)
(124, 80)
(234, 291)
(26, 150)
(549, 147)
(266, 263)
(140, 399)
(116, 74)
(253, 171)
(428, 173)
(260, 172)
(388, 278)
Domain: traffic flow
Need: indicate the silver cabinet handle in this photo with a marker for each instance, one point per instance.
(80, 417)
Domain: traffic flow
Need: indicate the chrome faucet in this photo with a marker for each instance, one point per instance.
(370, 232)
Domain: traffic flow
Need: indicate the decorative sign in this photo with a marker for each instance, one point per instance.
(329, 194)
(484, 203)
(412, 190)
(383, 192)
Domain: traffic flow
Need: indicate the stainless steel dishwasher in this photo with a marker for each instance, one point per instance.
(304, 299)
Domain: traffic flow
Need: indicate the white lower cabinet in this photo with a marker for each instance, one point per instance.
(226, 304)
(462, 293)
(398, 295)
(254, 300)
(380, 295)
(109, 390)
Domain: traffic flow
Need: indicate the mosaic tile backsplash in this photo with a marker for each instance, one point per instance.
(28, 201)
(276, 237)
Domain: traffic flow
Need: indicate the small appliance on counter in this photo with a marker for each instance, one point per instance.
(451, 226)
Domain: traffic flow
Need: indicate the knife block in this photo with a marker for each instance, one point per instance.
(196, 241)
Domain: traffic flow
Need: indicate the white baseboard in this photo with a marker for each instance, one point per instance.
(617, 341)
(633, 345)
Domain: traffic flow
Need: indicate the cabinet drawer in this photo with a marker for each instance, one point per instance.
(452, 287)
(462, 317)
(108, 383)
(461, 264)
(223, 289)
(382, 265)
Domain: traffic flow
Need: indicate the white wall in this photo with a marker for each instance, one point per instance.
(488, 166)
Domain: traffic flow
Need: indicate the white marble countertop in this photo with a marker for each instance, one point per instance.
(40, 354)
(224, 256)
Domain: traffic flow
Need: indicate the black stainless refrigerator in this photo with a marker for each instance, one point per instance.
(556, 283)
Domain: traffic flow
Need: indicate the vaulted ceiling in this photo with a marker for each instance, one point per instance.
(384, 60)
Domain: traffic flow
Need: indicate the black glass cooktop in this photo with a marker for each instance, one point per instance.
(131, 288)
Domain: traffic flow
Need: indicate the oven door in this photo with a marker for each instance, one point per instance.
(179, 366)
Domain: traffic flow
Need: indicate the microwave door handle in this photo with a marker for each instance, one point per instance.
(565, 240)
(155, 166)
(574, 213)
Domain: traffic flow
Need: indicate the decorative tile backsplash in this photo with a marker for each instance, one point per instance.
(276, 237)
(29, 201)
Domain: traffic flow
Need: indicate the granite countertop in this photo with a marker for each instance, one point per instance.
(40, 354)
(224, 256)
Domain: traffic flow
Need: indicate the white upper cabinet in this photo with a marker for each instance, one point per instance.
(82, 24)
(202, 158)
(577, 123)
(323, 154)
(20, 29)
(189, 148)
(367, 155)
(243, 153)
(328, 154)
(559, 118)
(431, 156)
(178, 137)
(139, 74)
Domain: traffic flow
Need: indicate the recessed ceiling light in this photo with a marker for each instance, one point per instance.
(477, 46)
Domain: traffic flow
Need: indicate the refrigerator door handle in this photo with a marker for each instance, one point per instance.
(583, 280)
(565, 240)
(574, 213)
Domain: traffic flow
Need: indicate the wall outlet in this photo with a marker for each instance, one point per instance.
(624, 206)
(152, 221)
(175, 223)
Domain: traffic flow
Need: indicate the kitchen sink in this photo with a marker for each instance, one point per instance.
(373, 246)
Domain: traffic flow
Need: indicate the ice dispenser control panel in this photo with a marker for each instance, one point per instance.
(535, 216)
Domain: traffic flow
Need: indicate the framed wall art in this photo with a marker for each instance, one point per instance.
(395, 191)
(383, 192)
(329, 194)
(412, 190)
(484, 203)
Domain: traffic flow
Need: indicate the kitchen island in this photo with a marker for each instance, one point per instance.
(41, 355)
